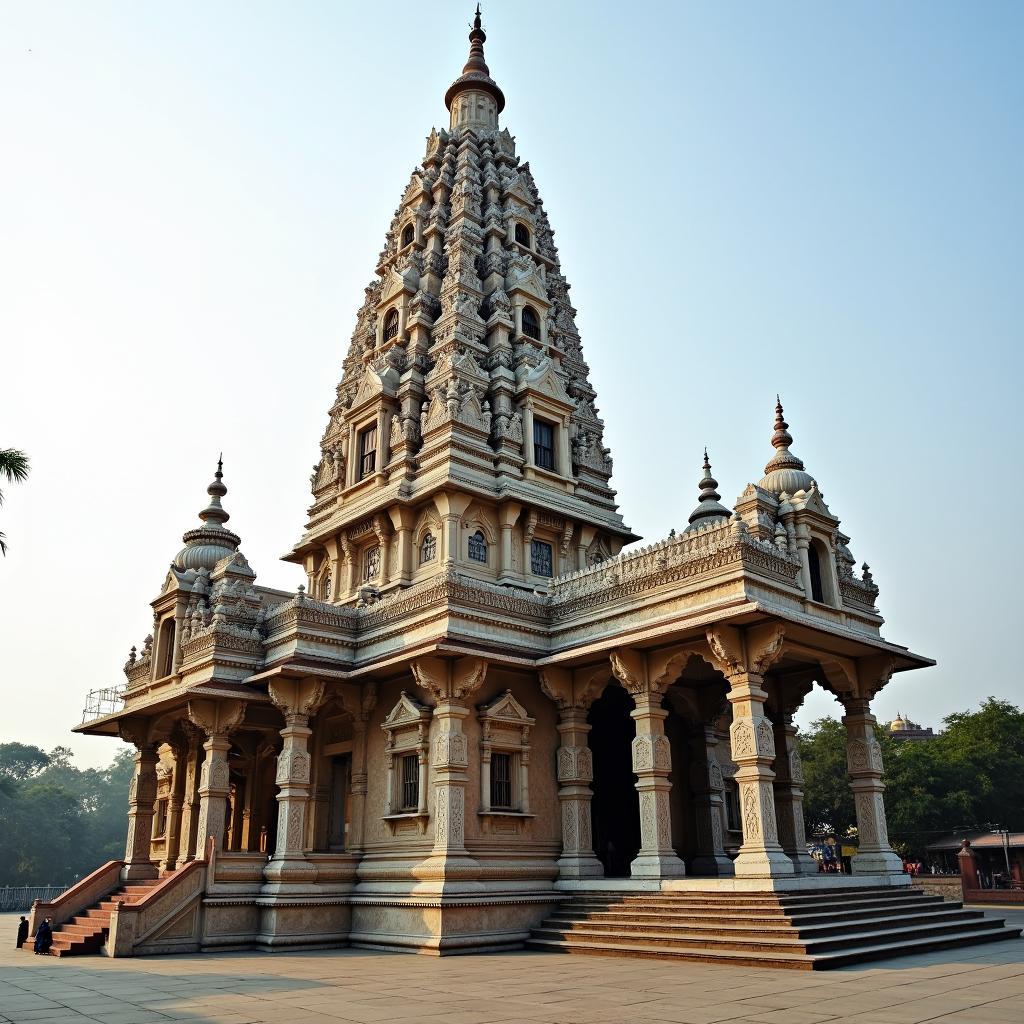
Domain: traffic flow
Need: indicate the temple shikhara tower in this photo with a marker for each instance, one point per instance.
(481, 722)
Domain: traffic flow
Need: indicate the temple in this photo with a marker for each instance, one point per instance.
(480, 707)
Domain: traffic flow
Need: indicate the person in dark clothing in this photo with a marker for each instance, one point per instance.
(44, 938)
(22, 931)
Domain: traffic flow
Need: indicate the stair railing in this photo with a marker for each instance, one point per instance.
(82, 895)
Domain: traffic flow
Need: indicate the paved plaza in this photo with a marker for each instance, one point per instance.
(971, 986)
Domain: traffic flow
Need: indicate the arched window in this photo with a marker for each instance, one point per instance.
(428, 549)
(371, 563)
(408, 235)
(523, 235)
(325, 586)
(814, 563)
(167, 638)
(391, 324)
(531, 323)
(478, 547)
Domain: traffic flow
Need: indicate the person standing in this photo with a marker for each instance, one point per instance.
(22, 931)
(44, 938)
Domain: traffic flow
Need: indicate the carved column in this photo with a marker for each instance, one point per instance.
(141, 800)
(297, 699)
(360, 777)
(652, 765)
(190, 807)
(450, 684)
(217, 719)
(175, 805)
(743, 658)
(575, 773)
(708, 786)
(864, 762)
(789, 796)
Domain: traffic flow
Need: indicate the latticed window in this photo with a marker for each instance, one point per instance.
(523, 235)
(501, 781)
(325, 586)
(541, 558)
(371, 563)
(408, 235)
(391, 324)
(531, 323)
(478, 547)
(410, 782)
(428, 549)
(367, 452)
(543, 445)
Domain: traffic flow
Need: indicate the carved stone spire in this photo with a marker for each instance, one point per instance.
(784, 470)
(206, 545)
(709, 508)
(480, 99)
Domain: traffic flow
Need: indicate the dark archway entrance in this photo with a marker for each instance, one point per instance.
(615, 811)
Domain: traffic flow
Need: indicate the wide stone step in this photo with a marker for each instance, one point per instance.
(739, 927)
(793, 961)
(884, 950)
(672, 940)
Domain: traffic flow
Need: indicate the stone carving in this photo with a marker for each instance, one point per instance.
(751, 814)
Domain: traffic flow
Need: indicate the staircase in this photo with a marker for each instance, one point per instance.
(87, 932)
(805, 931)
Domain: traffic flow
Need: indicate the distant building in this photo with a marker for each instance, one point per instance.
(901, 728)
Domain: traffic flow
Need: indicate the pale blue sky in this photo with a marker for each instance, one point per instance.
(819, 199)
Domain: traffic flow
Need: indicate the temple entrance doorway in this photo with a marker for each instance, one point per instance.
(615, 810)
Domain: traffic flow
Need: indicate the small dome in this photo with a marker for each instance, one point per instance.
(710, 509)
(784, 471)
(206, 545)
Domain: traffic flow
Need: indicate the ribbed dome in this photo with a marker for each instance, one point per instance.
(784, 471)
(206, 545)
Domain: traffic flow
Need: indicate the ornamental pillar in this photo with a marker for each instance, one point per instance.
(708, 787)
(141, 800)
(190, 805)
(360, 775)
(752, 742)
(175, 806)
(864, 764)
(217, 719)
(652, 765)
(743, 657)
(575, 773)
(450, 867)
(789, 796)
(297, 700)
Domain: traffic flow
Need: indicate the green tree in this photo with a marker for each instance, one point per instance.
(828, 802)
(13, 469)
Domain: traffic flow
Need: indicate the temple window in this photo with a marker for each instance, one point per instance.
(410, 782)
(523, 235)
(504, 756)
(325, 586)
(732, 806)
(478, 547)
(371, 563)
(367, 452)
(166, 653)
(160, 818)
(428, 549)
(408, 235)
(543, 445)
(814, 566)
(407, 728)
(391, 324)
(541, 558)
(531, 323)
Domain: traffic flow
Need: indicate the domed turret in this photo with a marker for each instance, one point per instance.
(206, 545)
(710, 507)
(784, 471)
(474, 99)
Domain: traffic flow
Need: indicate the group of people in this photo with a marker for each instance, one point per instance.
(44, 936)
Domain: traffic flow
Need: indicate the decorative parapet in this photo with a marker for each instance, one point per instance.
(707, 549)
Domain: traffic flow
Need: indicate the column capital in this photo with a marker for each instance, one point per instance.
(449, 682)
(297, 699)
(750, 651)
(216, 717)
